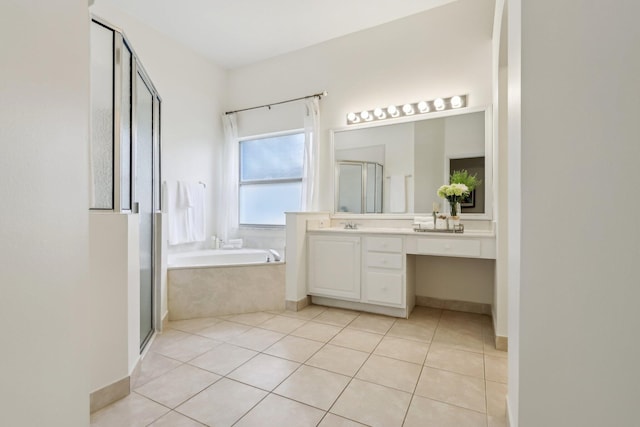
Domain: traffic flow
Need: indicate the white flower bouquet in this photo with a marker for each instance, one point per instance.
(454, 193)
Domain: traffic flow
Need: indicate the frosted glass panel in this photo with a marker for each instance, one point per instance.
(265, 204)
(101, 117)
(125, 132)
(350, 188)
(272, 158)
(156, 155)
(144, 196)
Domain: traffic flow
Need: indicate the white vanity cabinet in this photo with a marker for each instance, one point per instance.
(334, 266)
(375, 270)
(384, 271)
(359, 271)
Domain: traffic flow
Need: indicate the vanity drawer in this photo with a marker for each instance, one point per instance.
(384, 244)
(384, 288)
(384, 260)
(449, 247)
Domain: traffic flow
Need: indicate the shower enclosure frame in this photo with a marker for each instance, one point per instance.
(368, 182)
(121, 203)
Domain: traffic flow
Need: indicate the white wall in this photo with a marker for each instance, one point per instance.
(114, 344)
(373, 154)
(44, 122)
(500, 304)
(402, 61)
(579, 285)
(464, 135)
(193, 95)
(501, 169)
(428, 174)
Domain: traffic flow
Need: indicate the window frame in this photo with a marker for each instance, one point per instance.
(264, 181)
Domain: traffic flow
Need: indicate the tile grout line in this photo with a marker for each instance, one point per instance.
(274, 388)
(348, 383)
(413, 394)
(269, 392)
(306, 321)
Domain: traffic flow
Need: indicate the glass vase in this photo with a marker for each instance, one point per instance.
(455, 209)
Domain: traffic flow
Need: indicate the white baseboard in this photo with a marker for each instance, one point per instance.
(297, 305)
(109, 394)
(165, 320)
(510, 422)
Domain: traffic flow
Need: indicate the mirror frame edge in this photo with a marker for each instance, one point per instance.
(488, 215)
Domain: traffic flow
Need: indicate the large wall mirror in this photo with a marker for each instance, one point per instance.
(416, 157)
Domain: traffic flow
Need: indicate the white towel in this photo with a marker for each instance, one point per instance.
(419, 219)
(182, 195)
(442, 224)
(397, 193)
(185, 206)
(195, 200)
(179, 231)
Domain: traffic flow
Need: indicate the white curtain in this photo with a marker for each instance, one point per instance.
(228, 202)
(311, 163)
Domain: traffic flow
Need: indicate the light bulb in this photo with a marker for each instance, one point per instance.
(408, 109)
(439, 104)
(365, 115)
(353, 118)
(456, 102)
(379, 113)
(423, 107)
(393, 111)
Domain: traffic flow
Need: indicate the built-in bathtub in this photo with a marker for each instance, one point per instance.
(219, 257)
(216, 282)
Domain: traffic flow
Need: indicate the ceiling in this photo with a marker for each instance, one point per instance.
(234, 33)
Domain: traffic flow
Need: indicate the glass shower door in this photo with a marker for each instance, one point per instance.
(350, 191)
(144, 199)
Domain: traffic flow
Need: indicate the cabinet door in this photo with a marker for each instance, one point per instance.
(385, 288)
(334, 266)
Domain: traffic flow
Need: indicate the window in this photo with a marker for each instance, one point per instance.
(270, 178)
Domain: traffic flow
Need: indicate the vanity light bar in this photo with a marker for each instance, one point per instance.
(421, 107)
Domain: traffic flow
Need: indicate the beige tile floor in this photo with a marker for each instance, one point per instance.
(319, 367)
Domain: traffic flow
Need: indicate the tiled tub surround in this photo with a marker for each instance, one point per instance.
(220, 290)
(319, 367)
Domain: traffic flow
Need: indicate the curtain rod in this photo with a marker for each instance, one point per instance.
(318, 95)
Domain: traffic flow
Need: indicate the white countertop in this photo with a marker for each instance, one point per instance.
(402, 231)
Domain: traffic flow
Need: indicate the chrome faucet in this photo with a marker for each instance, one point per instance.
(350, 225)
(276, 255)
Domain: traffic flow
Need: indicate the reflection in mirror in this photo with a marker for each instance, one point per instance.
(358, 187)
(426, 152)
(474, 203)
